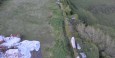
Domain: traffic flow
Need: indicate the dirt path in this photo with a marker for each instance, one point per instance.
(28, 17)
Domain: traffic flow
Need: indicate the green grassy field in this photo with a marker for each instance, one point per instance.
(39, 20)
(98, 13)
(30, 19)
(43, 20)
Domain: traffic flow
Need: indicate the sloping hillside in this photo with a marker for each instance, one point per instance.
(98, 17)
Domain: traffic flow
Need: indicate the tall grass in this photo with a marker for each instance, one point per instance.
(60, 48)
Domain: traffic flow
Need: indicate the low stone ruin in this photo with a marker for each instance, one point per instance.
(13, 47)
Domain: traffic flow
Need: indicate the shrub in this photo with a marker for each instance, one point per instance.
(104, 42)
